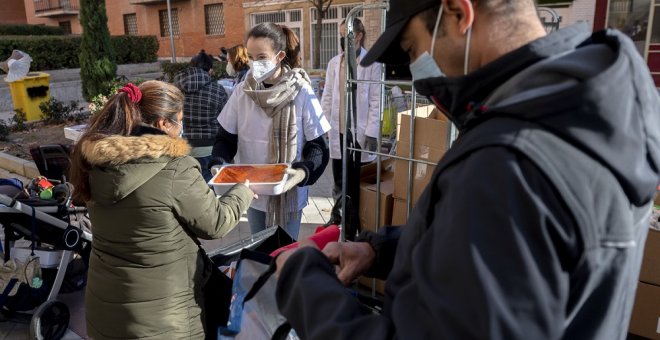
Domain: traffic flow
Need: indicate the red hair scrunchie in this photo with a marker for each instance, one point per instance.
(133, 92)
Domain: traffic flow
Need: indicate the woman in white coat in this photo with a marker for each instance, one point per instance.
(367, 102)
(275, 117)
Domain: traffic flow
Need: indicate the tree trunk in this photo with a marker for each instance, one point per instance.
(320, 13)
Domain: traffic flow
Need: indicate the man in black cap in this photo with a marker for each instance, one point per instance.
(534, 223)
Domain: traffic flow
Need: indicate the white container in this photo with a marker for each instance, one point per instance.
(48, 258)
(270, 189)
(74, 132)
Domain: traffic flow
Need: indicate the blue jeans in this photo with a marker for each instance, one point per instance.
(204, 163)
(257, 220)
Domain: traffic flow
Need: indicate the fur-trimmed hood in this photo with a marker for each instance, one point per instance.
(121, 164)
(115, 150)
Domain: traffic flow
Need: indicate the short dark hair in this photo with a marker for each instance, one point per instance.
(501, 7)
(202, 60)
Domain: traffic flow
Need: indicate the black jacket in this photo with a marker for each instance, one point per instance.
(534, 222)
(204, 100)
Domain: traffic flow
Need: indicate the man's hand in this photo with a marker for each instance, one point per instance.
(353, 258)
(281, 259)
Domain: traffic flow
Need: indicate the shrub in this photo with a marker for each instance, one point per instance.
(171, 69)
(58, 52)
(30, 30)
(4, 130)
(47, 53)
(19, 120)
(97, 58)
(131, 49)
(56, 112)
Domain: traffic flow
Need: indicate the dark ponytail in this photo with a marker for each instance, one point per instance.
(282, 38)
(119, 116)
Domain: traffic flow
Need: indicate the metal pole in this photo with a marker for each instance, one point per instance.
(169, 23)
(350, 64)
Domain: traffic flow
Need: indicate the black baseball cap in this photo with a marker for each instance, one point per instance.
(387, 50)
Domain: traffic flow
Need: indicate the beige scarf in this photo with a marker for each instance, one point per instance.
(278, 102)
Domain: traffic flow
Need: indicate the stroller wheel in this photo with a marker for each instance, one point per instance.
(50, 321)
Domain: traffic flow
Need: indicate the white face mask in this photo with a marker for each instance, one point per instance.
(425, 66)
(180, 125)
(263, 69)
(230, 69)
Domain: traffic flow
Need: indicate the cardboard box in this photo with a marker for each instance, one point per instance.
(650, 272)
(645, 320)
(368, 196)
(429, 111)
(430, 144)
(399, 212)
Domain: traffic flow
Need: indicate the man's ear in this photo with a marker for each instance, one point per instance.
(462, 12)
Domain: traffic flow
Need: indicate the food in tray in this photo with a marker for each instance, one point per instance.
(254, 173)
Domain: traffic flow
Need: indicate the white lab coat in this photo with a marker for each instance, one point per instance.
(368, 100)
(242, 117)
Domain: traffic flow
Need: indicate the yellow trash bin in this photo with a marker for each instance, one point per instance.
(27, 93)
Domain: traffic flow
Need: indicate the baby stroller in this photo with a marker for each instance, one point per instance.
(44, 222)
(58, 231)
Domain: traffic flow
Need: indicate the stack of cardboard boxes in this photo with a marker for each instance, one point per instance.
(430, 142)
(645, 319)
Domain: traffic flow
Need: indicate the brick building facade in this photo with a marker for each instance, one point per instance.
(301, 17)
(197, 24)
(13, 12)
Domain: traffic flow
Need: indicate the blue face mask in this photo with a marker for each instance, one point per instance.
(425, 66)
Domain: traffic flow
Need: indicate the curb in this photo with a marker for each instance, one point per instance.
(17, 166)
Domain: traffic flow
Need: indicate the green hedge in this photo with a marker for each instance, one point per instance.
(58, 52)
(170, 69)
(130, 49)
(30, 30)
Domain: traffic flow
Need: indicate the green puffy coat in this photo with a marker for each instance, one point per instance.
(146, 272)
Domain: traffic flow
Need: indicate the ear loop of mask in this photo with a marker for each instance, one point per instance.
(435, 30)
(467, 51)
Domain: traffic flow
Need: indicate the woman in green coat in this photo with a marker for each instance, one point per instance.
(147, 202)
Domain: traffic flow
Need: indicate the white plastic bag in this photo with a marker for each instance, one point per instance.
(18, 66)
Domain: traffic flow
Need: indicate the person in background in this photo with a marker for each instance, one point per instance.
(204, 100)
(368, 106)
(148, 203)
(238, 63)
(274, 117)
(534, 222)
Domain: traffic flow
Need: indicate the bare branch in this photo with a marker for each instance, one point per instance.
(328, 6)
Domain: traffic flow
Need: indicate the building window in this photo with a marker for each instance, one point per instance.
(130, 24)
(215, 19)
(632, 18)
(294, 21)
(66, 26)
(655, 28)
(164, 25)
(329, 32)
